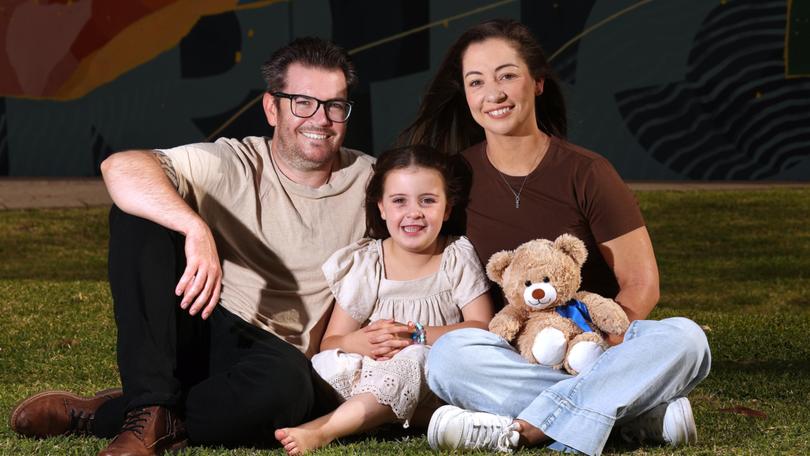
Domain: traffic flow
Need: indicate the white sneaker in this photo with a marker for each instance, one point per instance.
(455, 428)
(671, 423)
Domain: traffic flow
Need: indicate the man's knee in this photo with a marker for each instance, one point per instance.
(131, 228)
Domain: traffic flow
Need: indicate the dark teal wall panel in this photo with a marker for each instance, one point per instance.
(666, 89)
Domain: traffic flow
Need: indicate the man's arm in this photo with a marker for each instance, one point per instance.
(633, 262)
(138, 184)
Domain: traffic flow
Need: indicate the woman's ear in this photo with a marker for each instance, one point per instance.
(538, 86)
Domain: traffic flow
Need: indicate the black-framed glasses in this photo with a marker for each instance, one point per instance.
(305, 106)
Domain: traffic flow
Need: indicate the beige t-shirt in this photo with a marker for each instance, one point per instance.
(356, 275)
(273, 234)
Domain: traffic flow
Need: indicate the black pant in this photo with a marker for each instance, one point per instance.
(233, 383)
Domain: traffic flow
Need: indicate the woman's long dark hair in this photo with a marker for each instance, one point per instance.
(405, 157)
(444, 120)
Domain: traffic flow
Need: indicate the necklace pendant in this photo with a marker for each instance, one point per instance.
(517, 201)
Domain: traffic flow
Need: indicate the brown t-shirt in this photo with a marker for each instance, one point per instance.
(572, 190)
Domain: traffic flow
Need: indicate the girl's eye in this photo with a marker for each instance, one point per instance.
(398, 200)
(428, 201)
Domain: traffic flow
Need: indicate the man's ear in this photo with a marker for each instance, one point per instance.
(270, 109)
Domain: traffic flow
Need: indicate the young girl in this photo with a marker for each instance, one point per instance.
(397, 291)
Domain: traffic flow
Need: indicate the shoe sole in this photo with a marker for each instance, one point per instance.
(177, 446)
(14, 413)
(433, 431)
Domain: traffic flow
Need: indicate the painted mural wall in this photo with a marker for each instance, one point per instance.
(666, 89)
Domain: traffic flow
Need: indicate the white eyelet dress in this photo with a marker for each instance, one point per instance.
(356, 277)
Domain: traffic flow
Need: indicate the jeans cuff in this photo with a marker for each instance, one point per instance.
(583, 430)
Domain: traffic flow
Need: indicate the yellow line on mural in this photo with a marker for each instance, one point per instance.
(443, 22)
(255, 5)
(788, 74)
(236, 115)
(590, 29)
(786, 53)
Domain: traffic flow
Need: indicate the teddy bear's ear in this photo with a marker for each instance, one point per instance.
(498, 263)
(572, 247)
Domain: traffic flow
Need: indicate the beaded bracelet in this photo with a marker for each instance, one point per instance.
(419, 335)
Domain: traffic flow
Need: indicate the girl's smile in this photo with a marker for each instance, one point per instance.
(414, 206)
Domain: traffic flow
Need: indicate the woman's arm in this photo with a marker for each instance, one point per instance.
(477, 314)
(632, 260)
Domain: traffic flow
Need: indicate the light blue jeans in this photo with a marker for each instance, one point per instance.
(657, 362)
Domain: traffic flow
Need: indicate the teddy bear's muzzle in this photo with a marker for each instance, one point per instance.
(538, 295)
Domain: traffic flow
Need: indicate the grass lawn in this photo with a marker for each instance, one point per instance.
(737, 262)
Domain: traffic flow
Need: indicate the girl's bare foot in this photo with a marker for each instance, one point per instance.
(298, 441)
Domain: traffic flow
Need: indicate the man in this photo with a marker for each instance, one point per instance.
(241, 223)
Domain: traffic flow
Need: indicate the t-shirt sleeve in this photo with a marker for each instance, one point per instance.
(607, 202)
(465, 273)
(353, 274)
(198, 167)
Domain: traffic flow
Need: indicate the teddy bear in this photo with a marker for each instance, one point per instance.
(546, 317)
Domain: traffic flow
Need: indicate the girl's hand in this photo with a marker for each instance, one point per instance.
(381, 339)
(387, 337)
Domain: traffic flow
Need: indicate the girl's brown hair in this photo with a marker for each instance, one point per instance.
(405, 157)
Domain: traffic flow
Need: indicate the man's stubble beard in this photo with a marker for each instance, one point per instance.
(295, 158)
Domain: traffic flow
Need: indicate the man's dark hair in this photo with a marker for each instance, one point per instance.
(311, 52)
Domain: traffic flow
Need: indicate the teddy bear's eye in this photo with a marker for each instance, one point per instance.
(528, 283)
(546, 279)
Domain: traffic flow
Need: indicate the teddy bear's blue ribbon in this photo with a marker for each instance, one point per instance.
(576, 311)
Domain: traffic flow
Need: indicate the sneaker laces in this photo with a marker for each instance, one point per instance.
(491, 434)
(135, 421)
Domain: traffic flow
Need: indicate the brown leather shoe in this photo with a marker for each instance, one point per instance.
(148, 431)
(52, 413)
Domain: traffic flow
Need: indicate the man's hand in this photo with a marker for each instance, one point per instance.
(201, 282)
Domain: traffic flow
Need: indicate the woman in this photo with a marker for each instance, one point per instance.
(494, 99)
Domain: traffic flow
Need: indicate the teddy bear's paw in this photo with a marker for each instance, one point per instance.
(504, 326)
(549, 347)
(582, 355)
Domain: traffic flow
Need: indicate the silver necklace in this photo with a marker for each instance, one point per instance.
(520, 190)
(516, 193)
